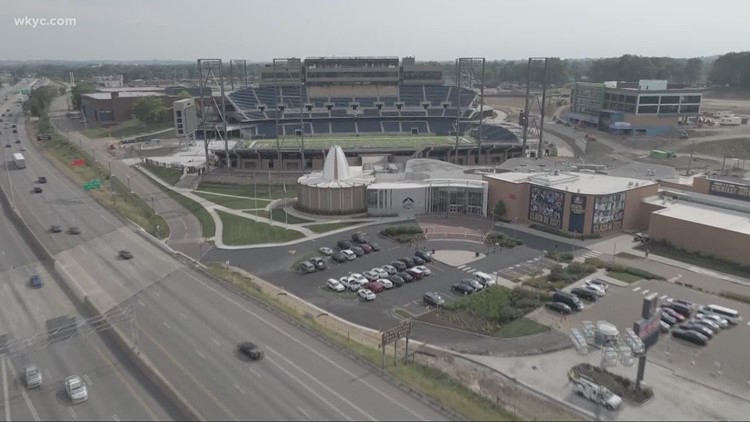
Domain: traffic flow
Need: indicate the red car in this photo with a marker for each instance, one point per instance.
(374, 286)
(365, 247)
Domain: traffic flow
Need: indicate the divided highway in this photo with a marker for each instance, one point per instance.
(189, 326)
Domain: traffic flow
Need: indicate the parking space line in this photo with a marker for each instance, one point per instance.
(663, 297)
(645, 292)
(636, 289)
(460, 267)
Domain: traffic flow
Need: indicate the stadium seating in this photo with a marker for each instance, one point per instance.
(421, 126)
(497, 133)
(411, 95)
(369, 126)
(321, 127)
(342, 126)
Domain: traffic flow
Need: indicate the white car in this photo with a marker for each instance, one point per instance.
(366, 294)
(359, 278)
(371, 275)
(76, 389)
(335, 285)
(594, 288)
(326, 251)
(388, 284)
(705, 322)
(721, 322)
(380, 272)
(390, 269)
(349, 254)
(424, 269)
(347, 282)
(601, 284)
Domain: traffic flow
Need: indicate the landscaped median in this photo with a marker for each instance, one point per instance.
(428, 381)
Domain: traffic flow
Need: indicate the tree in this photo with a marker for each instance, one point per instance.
(183, 95)
(732, 69)
(149, 110)
(693, 70)
(80, 88)
(500, 209)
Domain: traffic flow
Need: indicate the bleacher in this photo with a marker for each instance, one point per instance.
(421, 127)
(321, 126)
(391, 127)
(369, 126)
(497, 133)
(411, 95)
(342, 126)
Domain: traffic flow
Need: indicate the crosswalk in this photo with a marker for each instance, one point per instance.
(644, 292)
(591, 254)
(467, 269)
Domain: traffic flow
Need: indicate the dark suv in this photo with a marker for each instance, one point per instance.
(307, 267)
(399, 265)
(318, 262)
(250, 350)
(359, 237)
(408, 262)
(427, 257)
(344, 244)
(433, 299)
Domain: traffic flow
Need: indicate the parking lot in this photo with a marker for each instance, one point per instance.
(721, 364)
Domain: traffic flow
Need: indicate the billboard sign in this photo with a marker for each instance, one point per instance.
(392, 334)
(577, 214)
(729, 190)
(648, 327)
(609, 211)
(546, 206)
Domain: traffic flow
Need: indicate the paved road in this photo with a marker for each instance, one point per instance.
(185, 231)
(189, 327)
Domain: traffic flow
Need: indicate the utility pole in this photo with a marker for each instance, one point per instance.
(525, 120)
(544, 98)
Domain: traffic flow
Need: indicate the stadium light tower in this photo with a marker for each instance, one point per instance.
(238, 66)
(291, 74)
(534, 63)
(469, 73)
(208, 69)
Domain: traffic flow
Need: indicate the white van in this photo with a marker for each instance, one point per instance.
(729, 314)
(484, 278)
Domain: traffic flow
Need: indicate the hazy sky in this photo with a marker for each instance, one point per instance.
(429, 29)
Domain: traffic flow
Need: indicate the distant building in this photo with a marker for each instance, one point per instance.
(115, 107)
(646, 107)
(109, 81)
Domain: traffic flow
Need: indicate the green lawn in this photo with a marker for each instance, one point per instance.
(278, 214)
(260, 190)
(233, 202)
(167, 174)
(126, 129)
(366, 141)
(626, 277)
(243, 231)
(327, 227)
(521, 327)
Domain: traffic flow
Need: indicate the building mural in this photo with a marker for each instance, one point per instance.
(577, 214)
(608, 213)
(546, 206)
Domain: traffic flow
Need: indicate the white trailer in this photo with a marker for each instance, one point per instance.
(730, 121)
(588, 389)
(19, 161)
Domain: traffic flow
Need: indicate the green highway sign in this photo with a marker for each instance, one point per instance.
(92, 184)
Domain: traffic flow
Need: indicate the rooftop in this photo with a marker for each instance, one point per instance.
(708, 216)
(108, 95)
(132, 89)
(585, 183)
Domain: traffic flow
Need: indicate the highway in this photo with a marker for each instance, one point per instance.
(117, 390)
(189, 326)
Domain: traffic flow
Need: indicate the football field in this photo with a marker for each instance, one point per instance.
(348, 141)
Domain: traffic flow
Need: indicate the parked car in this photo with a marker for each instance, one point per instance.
(664, 327)
(344, 244)
(396, 280)
(684, 310)
(706, 323)
(408, 262)
(719, 321)
(485, 279)
(374, 286)
(418, 275)
(569, 299)
(462, 288)
(668, 319)
(388, 284)
(597, 282)
(400, 266)
(418, 261)
(36, 282)
(594, 289)
(250, 350)
(307, 267)
(558, 307)
(674, 314)
(371, 275)
(319, 263)
(335, 285)
(433, 299)
(709, 333)
(365, 247)
(366, 295)
(390, 269)
(691, 336)
(426, 256)
(473, 283)
(32, 376)
(339, 257)
(359, 278)
(326, 251)
(382, 273)
(350, 256)
(585, 294)
(349, 283)
(426, 271)
(359, 237)
(358, 251)
(406, 276)
(686, 303)
(76, 389)
(375, 247)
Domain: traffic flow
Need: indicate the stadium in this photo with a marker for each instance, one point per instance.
(383, 106)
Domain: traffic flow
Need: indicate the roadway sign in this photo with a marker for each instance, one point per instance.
(92, 184)
(392, 334)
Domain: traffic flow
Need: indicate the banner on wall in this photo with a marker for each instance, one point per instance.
(546, 206)
(609, 211)
(577, 215)
(729, 190)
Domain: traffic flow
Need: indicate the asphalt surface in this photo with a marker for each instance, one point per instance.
(185, 232)
(116, 389)
(189, 327)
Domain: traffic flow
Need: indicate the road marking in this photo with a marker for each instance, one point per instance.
(663, 297)
(72, 413)
(25, 395)
(240, 389)
(140, 302)
(636, 289)
(155, 293)
(216, 342)
(5, 393)
(256, 373)
(307, 415)
(645, 292)
(461, 267)
(166, 324)
(87, 379)
(197, 352)
(183, 315)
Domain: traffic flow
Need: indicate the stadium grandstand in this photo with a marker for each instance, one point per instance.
(365, 104)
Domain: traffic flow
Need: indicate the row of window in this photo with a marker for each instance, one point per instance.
(668, 109)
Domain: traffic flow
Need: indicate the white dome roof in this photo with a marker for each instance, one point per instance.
(335, 166)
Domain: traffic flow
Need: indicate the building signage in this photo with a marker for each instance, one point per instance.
(648, 330)
(392, 334)
(577, 213)
(729, 190)
(546, 206)
(609, 211)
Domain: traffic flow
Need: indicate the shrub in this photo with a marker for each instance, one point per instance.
(643, 274)
(596, 262)
(578, 268)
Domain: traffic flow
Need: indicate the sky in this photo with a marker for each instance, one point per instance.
(427, 29)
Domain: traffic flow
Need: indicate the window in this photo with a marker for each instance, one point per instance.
(653, 99)
(668, 109)
(691, 99)
(689, 108)
(631, 99)
(648, 109)
(671, 99)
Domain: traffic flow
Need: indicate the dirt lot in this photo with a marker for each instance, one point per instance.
(735, 106)
(514, 104)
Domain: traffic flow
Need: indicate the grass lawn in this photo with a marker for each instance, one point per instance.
(169, 175)
(627, 278)
(367, 141)
(521, 327)
(429, 381)
(233, 202)
(327, 227)
(126, 129)
(260, 189)
(712, 263)
(737, 147)
(280, 215)
(243, 231)
(61, 153)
